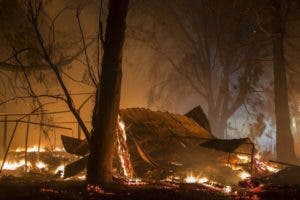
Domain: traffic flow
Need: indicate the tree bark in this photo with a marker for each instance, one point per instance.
(99, 170)
(284, 137)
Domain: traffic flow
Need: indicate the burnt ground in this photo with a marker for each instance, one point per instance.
(12, 188)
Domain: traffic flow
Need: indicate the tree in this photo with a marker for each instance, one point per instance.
(106, 110)
(216, 53)
(284, 140)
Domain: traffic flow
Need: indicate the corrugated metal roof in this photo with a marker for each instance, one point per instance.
(144, 122)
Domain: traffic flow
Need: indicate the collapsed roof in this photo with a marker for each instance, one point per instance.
(160, 141)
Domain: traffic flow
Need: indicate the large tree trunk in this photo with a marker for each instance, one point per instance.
(218, 126)
(284, 140)
(99, 170)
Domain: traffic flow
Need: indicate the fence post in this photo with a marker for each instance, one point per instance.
(26, 142)
(5, 134)
(40, 140)
(8, 147)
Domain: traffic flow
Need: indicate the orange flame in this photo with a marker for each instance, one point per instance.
(122, 149)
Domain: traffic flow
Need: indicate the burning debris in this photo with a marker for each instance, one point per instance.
(38, 160)
(157, 147)
(164, 147)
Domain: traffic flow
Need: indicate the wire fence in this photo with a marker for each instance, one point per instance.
(12, 128)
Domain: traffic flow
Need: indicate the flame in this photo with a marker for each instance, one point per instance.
(227, 189)
(193, 179)
(243, 158)
(208, 183)
(21, 163)
(13, 165)
(41, 165)
(60, 169)
(264, 166)
(122, 148)
(190, 179)
(30, 149)
(234, 167)
(58, 149)
(36, 149)
(244, 175)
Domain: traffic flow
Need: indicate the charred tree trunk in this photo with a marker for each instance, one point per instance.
(99, 170)
(284, 140)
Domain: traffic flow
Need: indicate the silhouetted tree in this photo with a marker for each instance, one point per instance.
(216, 54)
(285, 142)
(106, 110)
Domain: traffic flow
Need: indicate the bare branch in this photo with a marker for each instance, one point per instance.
(90, 68)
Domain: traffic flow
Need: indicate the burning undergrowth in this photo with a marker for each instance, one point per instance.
(38, 162)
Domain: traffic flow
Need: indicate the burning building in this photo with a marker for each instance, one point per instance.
(155, 145)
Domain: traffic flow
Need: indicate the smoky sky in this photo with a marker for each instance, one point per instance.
(159, 34)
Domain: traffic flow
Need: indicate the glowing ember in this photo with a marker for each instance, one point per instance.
(40, 165)
(234, 167)
(123, 150)
(244, 158)
(81, 177)
(136, 181)
(264, 166)
(194, 179)
(208, 183)
(244, 175)
(173, 179)
(227, 189)
(60, 170)
(95, 189)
